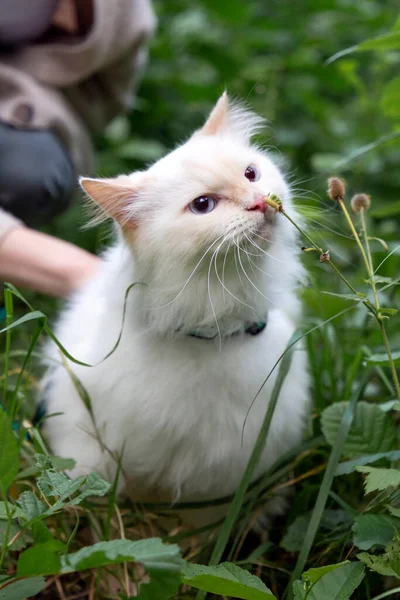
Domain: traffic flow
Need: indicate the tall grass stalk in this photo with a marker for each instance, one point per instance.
(326, 484)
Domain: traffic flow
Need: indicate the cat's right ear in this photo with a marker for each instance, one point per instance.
(115, 198)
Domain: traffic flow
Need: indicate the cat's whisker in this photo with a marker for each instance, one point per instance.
(224, 286)
(264, 251)
(223, 267)
(250, 281)
(190, 276)
(236, 263)
(215, 253)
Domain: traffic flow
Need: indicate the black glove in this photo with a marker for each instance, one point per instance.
(37, 177)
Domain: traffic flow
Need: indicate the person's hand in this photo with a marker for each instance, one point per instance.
(37, 177)
(43, 263)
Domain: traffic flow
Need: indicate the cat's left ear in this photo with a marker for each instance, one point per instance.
(231, 118)
(116, 198)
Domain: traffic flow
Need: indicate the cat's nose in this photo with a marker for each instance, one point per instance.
(258, 204)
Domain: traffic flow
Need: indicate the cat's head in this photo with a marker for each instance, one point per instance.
(204, 199)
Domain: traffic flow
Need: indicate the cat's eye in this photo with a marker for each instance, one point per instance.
(202, 205)
(252, 173)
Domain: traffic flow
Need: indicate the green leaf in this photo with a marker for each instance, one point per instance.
(41, 559)
(390, 101)
(9, 454)
(383, 360)
(162, 562)
(140, 149)
(372, 430)
(23, 588)
(14, 511)
(348, 466)
(314, 574)
(370, 530)
(31, 506)
(338, 584)
(331, 520)
(394, 511)
(93, 486)
(354, 297)
(379, 479)
(389, 41)
(387, 563)
(226, 579)
(32, 316)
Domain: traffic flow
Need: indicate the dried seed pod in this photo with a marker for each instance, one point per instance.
(360, 202)
(336, 188)
(325, 257)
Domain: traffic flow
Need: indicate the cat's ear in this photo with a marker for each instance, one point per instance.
(232, 118)
(218, 118)
(115, 198)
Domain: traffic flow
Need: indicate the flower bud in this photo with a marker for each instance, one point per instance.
(336, 188)
(360, 202)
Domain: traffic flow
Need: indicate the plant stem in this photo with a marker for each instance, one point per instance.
(320, 250)
(8, 301)
(390, 356)
(326, 484)
(370, 269)
(356, 236)
(387, 594)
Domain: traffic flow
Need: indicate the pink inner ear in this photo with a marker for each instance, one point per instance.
(112, 196)
(218, 118)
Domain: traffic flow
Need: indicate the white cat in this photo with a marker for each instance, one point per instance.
(214, 266)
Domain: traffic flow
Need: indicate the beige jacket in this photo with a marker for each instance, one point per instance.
(76, 87)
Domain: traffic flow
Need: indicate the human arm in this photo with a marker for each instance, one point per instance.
(43, 263)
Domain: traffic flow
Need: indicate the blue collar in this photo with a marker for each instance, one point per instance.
(251, 329)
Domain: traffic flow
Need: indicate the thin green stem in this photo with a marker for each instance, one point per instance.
(374, 291)
(8, 301)
(356, 236)
(371, 267)
(390, 356)
(387, 594)
(320, 250)
(326, 484)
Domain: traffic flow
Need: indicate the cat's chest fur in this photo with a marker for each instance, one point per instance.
(175, 406)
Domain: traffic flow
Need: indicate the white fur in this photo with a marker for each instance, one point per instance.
(175, 405)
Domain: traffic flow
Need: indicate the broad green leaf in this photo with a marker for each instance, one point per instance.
(388, 311)
(372, 430)
(314, 574)
(369, 530)
(41, 559)
(387, 563)
(161, 561)
(23, 588)
(382, 360)
(379, 479)
(13, 510)
(338, 584)
(9, 454)
(394, 511)
(226, 579)
(349, 466)
(390, 101)
(31, 506)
